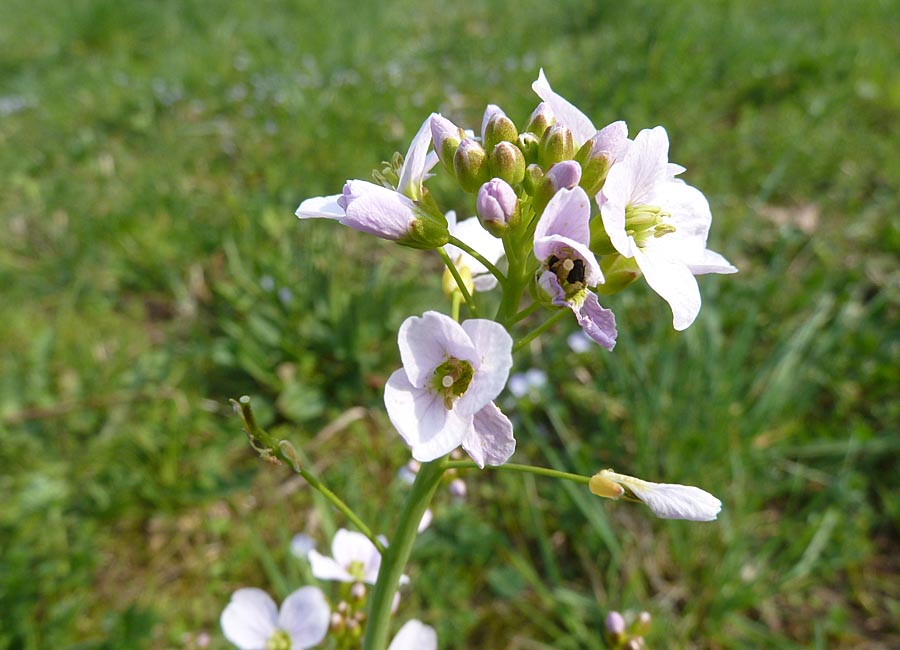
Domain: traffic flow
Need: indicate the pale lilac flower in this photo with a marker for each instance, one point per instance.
(354, 559)
(568, 267)
(251, 621)
(415, 635)
(578, 342)
(610, 142)
(522, 383)
(473, 233)
(661, 222)
(301, 545)
(666, 500)
(443, 396)
(381, 211)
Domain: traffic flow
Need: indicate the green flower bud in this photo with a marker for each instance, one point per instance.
(446, 137)
(498, 128)
(542, 118)
(593, 169)
(533, 177)
(600, 242)
(507, 163)
(557, 144)
(426, 232)
(470, 164)
(528, 144)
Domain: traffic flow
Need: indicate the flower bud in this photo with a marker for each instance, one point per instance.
(507, 163)
(541, 119)
(642, 624)
(615, 627)
(533, 177)
(564, 174)
(448, 282)
(470, 165)
(497, 206)
(446, 137)
(557, 144)
(358, 591)
(528, 144)
(497, 127)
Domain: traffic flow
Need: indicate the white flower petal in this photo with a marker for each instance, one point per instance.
(427, 342)
(249, 619)
(676, 284)
(490, 441)
(349, 546)
(566, 113)
(711, 262)
(379, 211)
(415, 635)
(494, 346)
(425, 522)
(568, 214)
(421, 419)
(412, 174)
(325, 568)
(321, 207)
(305, 616)
(674, 501)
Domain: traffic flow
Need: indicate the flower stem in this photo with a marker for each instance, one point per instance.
(268, 447)
(393, 560)
(526, 469)
(540, 329)
(497, 273)
(470, 302)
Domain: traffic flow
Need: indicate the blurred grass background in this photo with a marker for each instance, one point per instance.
(152, 154)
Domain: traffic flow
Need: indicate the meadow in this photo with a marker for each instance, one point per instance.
(152, 155)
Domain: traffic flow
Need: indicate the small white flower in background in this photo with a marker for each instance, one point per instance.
(666, 500)
(661, 222)
(533, 379)
(443, 395)
(473, 233)
(354, 559)
(251, 621)
(301, 545)
(579, 342)
(415, 635)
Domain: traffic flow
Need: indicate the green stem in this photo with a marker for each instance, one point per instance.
(394, 559)
(478, 256)
(454, 305)
(283, 451)
(526, 469)
(540, 329)
(525, 313)
(470, 302)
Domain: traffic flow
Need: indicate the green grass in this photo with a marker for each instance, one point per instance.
(152, 155)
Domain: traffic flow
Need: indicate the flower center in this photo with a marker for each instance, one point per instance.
(452, 379)
(357, 569)
(280, 640)
(569, 272)
(645, 221)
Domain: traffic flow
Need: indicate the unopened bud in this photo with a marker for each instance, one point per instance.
(615, 625)
(450, 286)
(496, 128)
(557, 144)
(564, 174)
(528, 144)
(507, 163)
(446, 137)
(594, 169)
(533, 177)
(358, 591)
(471, 165)
(597, 155)
(635, 643)
(642, 625)
(337, 622)
(497, 206)
(541, 119)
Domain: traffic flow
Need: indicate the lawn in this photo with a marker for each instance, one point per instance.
(151, 268)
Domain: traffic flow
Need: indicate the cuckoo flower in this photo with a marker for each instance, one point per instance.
(443, 396)
(390, 213)
(473, 233)
(568, 267)
(666, 500)
(661, 222)
(251, 621)
(415, 635)
(354, 559)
